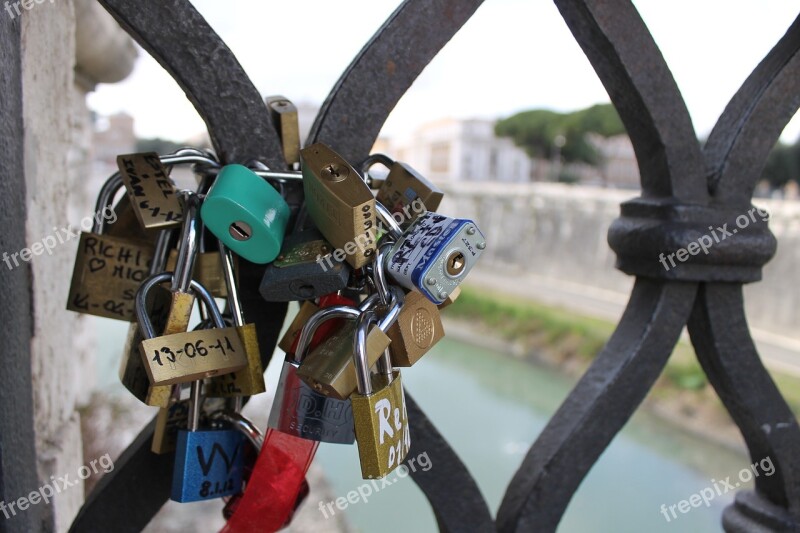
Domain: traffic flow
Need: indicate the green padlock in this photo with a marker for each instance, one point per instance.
(246, 213)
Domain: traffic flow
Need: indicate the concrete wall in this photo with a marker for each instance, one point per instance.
(57, 154)
(559, 232)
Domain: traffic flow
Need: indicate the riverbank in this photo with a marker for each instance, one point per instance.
(547, 335)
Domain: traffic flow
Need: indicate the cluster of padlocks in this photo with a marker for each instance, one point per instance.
(371, 270)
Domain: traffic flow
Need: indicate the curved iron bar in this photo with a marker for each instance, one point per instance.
(180, 39)
(752, 122)
(354, 111)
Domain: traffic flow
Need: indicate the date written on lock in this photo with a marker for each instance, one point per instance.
(193, 355)
(152, 193)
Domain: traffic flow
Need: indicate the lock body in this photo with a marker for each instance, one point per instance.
(329, 368)
(381, 425)
(246, 382)
(208, 464)
(435, 254)
(302, 412)
(340, 203)
(418, 328)
(152, 194)
(246, 213)
(306, 268)
(108, 271)
(407, 192)
(207, 270)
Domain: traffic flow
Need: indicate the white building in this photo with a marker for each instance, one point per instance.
(461, 150)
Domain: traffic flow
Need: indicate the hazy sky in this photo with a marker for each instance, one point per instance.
(511, 56)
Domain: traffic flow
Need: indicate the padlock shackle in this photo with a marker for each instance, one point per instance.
(194, 405)
(146, 325)
(360, 352)
(395, 231)
(226, 256)
(189, 242)
(105, 199)
(161, 252)
(379, 272)
(372, 160)
(316, 320)
(241, 424)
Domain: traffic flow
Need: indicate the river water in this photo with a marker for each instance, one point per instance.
(491, 407)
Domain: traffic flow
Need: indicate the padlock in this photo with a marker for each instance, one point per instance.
(418, 326)
(183, 357)
(207, 271)
(381, 420)
(108, 269)
(306, 268)
(250, 380)
(406, 193)
(285, 119)
(340, 203)
(150, 189)
(208, 462)
(435, 254)
(329, 368)
(288, 342)
(298, 409)
(132, 372)
(246, 213)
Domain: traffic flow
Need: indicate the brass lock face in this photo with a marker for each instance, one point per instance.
(127, 225)
(329, 369)
(404, 189)
(193, 355)
(207, 270)
(284, 116)
(381, 424)
(303, 315)
(340, 203)
(246, 382)
(108, 271)
(417, 330)
(151, 192)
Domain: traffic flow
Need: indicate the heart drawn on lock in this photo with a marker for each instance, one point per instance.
(96, 263)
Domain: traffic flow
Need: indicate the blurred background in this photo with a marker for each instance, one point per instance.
(511, 121)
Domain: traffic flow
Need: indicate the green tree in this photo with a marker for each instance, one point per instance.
(536, 131)
(783, 165)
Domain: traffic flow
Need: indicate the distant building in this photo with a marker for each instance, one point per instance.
(461, 150)
(618, 166)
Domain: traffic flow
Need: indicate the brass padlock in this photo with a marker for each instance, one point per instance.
(207, 271)
(108, 269)
(284, 117)
(150, 189)
(418, 328)
(250, 380)
(379, 412)
(340, 203)
(329, 368)
(405, 192)
(289, 339)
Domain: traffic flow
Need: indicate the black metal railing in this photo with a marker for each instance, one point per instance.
(686, 187)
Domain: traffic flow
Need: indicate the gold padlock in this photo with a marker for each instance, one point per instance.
(408, 193)
(108, 268)
(307, 309)
(379, 412)
(418, 328)
(152, 194)
(284, 116)
(340, 203)
(207, 271)
(250, 380)
(329, 368)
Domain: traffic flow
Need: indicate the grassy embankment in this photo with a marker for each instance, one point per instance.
(571, 341)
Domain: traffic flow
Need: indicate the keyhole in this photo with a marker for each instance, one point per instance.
(241, 231)
(335, 172)
(456, 263)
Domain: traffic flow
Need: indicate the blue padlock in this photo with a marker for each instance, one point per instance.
(246, 213)
(209, 463)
